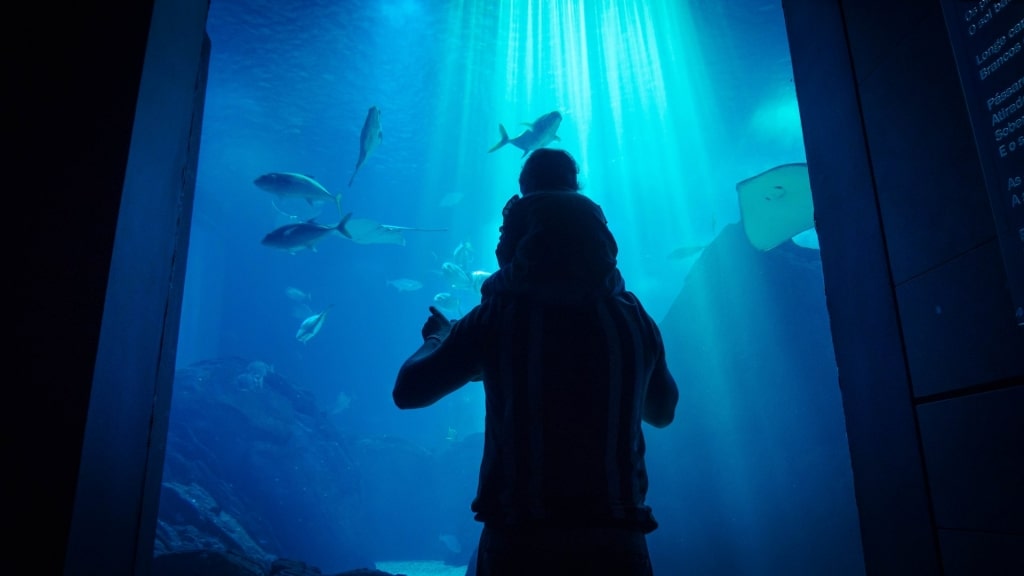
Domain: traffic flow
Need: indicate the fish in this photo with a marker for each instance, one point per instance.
(248, 381)
(297, 295)
(477, 277)
(259, 368)
(369, 139)
(405, 284)
(463, 254)
(303, 235)
(286, 185)
(456, 276)
(684, 252)
(540, 133)
(341, 403)
(447, 302)
(252, 378)
(311, 326)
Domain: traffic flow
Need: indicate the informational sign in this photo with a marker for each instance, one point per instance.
(988, 41)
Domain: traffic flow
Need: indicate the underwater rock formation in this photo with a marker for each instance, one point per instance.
(754, 474)
(192, 520)
(253, 467)
(195, 562)
(256, 472)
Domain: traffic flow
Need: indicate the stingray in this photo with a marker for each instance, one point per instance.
(776, 205)
(366, 231)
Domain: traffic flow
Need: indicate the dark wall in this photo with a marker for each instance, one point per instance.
(75, 90)
(108, 123)
(129, 404)
(930, 360)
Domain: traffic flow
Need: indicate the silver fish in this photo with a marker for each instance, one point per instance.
(540, 133)
(456, 277)
(369, 139)
(447, 302)
(311, 326)
(303, 235)
(478, 277)
(463, 254)
(405, 284)
(287, 185)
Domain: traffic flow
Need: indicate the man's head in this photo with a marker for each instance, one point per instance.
(548, 169)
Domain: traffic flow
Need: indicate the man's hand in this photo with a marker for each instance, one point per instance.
(437, 325)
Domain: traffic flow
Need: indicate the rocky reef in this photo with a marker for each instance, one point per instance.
(258, 480)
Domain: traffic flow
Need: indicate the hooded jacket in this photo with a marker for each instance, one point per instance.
(568, 358)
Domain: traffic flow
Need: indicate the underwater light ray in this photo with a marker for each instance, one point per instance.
(530, 54)
(509, 22)
(720, 407)
(582, 105)
(610, 63)
(574, 46)
(655, 80)
(649, 131)
(568, 73)
(641, 139)
(649, 85)
(455, 84)
(677, 68)
(702, 108)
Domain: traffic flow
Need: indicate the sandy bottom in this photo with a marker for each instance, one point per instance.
(425, 568)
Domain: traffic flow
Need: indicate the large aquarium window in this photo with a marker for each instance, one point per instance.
(355, 159)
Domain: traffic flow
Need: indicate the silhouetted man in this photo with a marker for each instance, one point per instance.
(571, 365)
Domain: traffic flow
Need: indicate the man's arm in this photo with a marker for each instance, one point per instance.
(662, 393)
(440, 366)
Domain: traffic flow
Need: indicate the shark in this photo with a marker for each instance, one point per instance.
(303, 235)
(369, 139)
(311, 326)
(286, 185)
(539, 133)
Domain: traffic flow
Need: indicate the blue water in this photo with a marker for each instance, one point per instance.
(666, 105)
